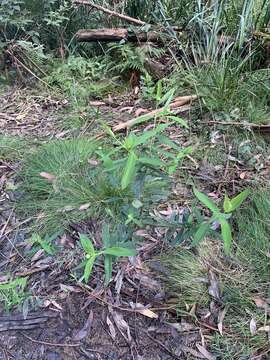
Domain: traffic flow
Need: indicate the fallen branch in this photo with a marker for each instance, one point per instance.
(118, 34)
(179, 104)
(110, 12)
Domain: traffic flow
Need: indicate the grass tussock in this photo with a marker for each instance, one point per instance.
(60, 187)
(65, 182)
(238, 283)
(12, 147)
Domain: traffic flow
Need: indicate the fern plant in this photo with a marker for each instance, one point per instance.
(132, 57)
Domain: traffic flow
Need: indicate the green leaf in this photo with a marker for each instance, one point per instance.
(130, 141)
(137, 203)
(226, 235)
(200, 233)
(159, 90)
(238, 200)
(119, 251)
(164, 140)
(156, 162)
(87, 245)
(168, 98)
(227, 206)
(88, 268)
(47, 247)
(106, 235)
(142, 140)
(206, 201)
(108, 268)
(129, 170)
(178, 120)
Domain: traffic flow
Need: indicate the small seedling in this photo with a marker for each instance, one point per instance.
(229, 205)
(108, 253)
(12, 293)
(45, 244)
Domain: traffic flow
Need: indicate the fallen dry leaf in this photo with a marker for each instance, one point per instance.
(221, 317)
(49, 177)
(84, 206)
(85, 330)
(48, 303)
(148, 313)
(122, 325)
(265, 328)
(213, 289)
(37, 255)
(205, 352)
(111, 328)
(96, 103)
(243, 175)
(140, 111)
(260, 303)
(253, 327)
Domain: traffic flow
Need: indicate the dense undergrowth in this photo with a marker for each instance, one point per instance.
(115, 185)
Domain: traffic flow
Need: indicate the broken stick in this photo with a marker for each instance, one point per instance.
(179, 104)
(118, 34)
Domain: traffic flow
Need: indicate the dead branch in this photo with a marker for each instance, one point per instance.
(117, 34)
(179, 104)
(110, 12)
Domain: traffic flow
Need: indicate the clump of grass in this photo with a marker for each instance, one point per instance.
(58, 186)
(226, 87)
(12, 147)
(254, 233)
(186, 278)
(65, 182)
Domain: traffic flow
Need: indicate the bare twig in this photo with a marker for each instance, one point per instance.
(49, 343)
(110, 12)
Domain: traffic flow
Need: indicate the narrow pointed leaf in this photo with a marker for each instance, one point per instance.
(142, 140)
(129, 170)
(119, 251)
(88, 268)
(226, 235)
(200, 233)
(156, 162)
(108, 268)
(87, 244)
(206, 201)
(227, 206)
(239, 199)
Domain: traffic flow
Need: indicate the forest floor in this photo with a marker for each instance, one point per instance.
(136, 316)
